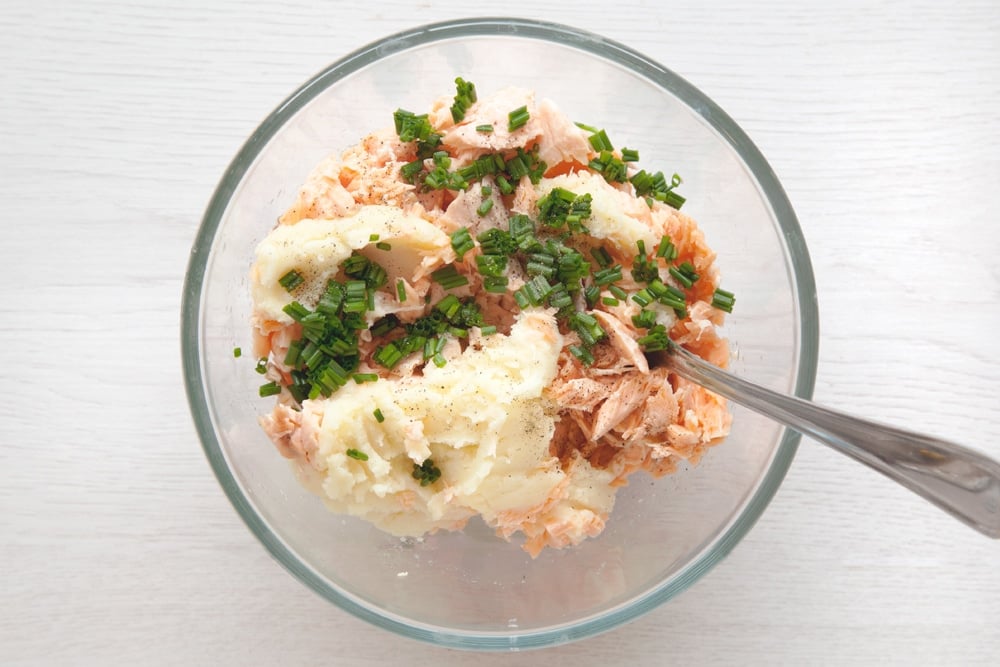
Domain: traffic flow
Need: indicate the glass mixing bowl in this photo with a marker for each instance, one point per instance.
(471, 589)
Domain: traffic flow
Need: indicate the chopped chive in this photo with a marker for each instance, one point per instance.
(388, 356)
(587, 327)
(601, 256)
(618, 292)
(382, 245)
(666, 249)
(486, 190)
(485, 207)
(485, 128)
(723, 300)
(599, 140)
(364, 377)
(261, 366)
(488, 330)
(291, 280)
(449, 277)
(449, 306)
(442, 159)
(505, 186)
(355, 454)
(646, 319)
(591, 293)
(411, 169)
(585, 127)
(582, 353)
(465, 96)
(400, 290)
(608, 275)
(355, 297)
(439, 360)
(495, 284)
(294, 354)
(491, 265)
(643, 297)
(609, 301)
(680, 277)
(237, 352)
(269, 389)
(461, 241)
(295, 310)
(426, 473)
(379, 417)
(372, 238)
(656, 339)
(517, 118)
(384, 325)
(439, 344)
(629, 155)
(673, 199)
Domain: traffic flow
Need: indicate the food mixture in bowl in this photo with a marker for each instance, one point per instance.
(454, 314)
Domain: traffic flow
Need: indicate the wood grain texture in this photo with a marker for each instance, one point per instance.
(118, 119)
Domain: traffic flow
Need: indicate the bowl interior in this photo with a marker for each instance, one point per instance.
(472, 589)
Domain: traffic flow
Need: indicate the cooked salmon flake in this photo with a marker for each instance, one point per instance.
(457, 324)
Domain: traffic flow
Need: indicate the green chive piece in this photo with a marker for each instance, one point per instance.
(608, 275)
(237, 352)
(400, 290)
(505, 186)
(643, 297)
(382, 245)
(629, 155)
(461, 241)
(517, 118)
(646, 319)
(485, 207)
(269, 389)
(600, 142)
(261, 367)
(609, 301)
(601, 256)
(355, 454)
(723, 300)
(426, 473)
(618, 292)
(656, 339)
(586, 128)
(465, 96)
(587, 327)
(680, 277)
(411, 169)
(486, 128)
(364, 377)
(495, 284)
(291, 280)
(449, 277)
(582, 353)
(372, 238)
(388, 355)
(488, 330)
(666, 249)
(379, 417)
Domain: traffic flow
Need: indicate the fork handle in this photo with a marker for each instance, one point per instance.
(960, 481)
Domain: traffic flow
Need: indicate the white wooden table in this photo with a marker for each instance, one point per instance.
(117, 118)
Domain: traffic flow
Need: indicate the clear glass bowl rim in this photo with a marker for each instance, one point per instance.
(577, 39)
